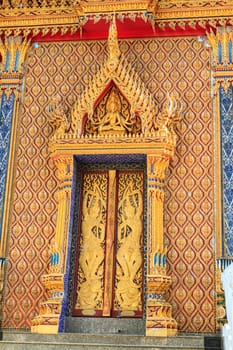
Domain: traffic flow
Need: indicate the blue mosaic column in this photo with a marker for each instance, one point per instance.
(6, 114)
(226, 122)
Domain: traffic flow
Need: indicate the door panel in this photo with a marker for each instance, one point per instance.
(129, 262)
(92, 243)
(110, 253)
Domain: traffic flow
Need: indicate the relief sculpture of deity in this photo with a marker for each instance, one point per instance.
(113, 116)
(113, 120)
(91, 257)
(129, 241)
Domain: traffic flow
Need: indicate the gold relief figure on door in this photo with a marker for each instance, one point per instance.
(110, 261)
(92, 243)
(129, 269)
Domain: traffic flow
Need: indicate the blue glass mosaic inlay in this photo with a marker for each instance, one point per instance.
(226, 113)
(6, 113)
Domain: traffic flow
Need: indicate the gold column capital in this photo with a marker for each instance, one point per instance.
(64, 165)
(13, 50)
(220, 43)
(156, 166)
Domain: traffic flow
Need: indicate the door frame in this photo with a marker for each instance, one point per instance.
(120, 167)
(66, 154)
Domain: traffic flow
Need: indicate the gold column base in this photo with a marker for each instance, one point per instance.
(45, 329)
(47, 322)
(159, 321)
(161, 332)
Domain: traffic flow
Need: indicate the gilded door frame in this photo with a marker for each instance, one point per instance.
(120, 168)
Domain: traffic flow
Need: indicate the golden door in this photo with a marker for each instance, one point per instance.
(109, 277)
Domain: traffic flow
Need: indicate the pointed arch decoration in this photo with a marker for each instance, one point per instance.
(138, 128)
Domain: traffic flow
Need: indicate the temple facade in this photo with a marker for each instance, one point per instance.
(116, 183)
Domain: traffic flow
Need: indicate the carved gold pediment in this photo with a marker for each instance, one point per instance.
(115, 105)
(116, 70)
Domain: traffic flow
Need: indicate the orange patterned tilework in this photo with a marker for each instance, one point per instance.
(189, 224)
(178, 65)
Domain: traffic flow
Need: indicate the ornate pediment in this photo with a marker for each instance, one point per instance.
(116, 107)
(116, 70)
(120, 78)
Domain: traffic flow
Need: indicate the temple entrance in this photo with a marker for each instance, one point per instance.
(96, 258)
(109, 272)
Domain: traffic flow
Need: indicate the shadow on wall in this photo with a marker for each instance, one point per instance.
(213, 343)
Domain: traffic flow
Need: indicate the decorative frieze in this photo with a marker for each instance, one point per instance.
(62, 17)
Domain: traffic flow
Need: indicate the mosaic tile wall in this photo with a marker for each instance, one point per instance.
(178, 65)
(226, 103)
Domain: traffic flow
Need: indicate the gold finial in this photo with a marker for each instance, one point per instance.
(113, 46)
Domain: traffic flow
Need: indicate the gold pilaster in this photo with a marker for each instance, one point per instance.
(218, 176)
(50, 310)
(64, 165)
(221, 53)
(159, 321)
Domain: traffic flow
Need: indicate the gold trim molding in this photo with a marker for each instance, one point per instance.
(22, 17)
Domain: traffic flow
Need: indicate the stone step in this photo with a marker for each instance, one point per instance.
(105, 325)
(72, 346)
(69, 341)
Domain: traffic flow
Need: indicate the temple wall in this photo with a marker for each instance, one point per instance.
(176, 65)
